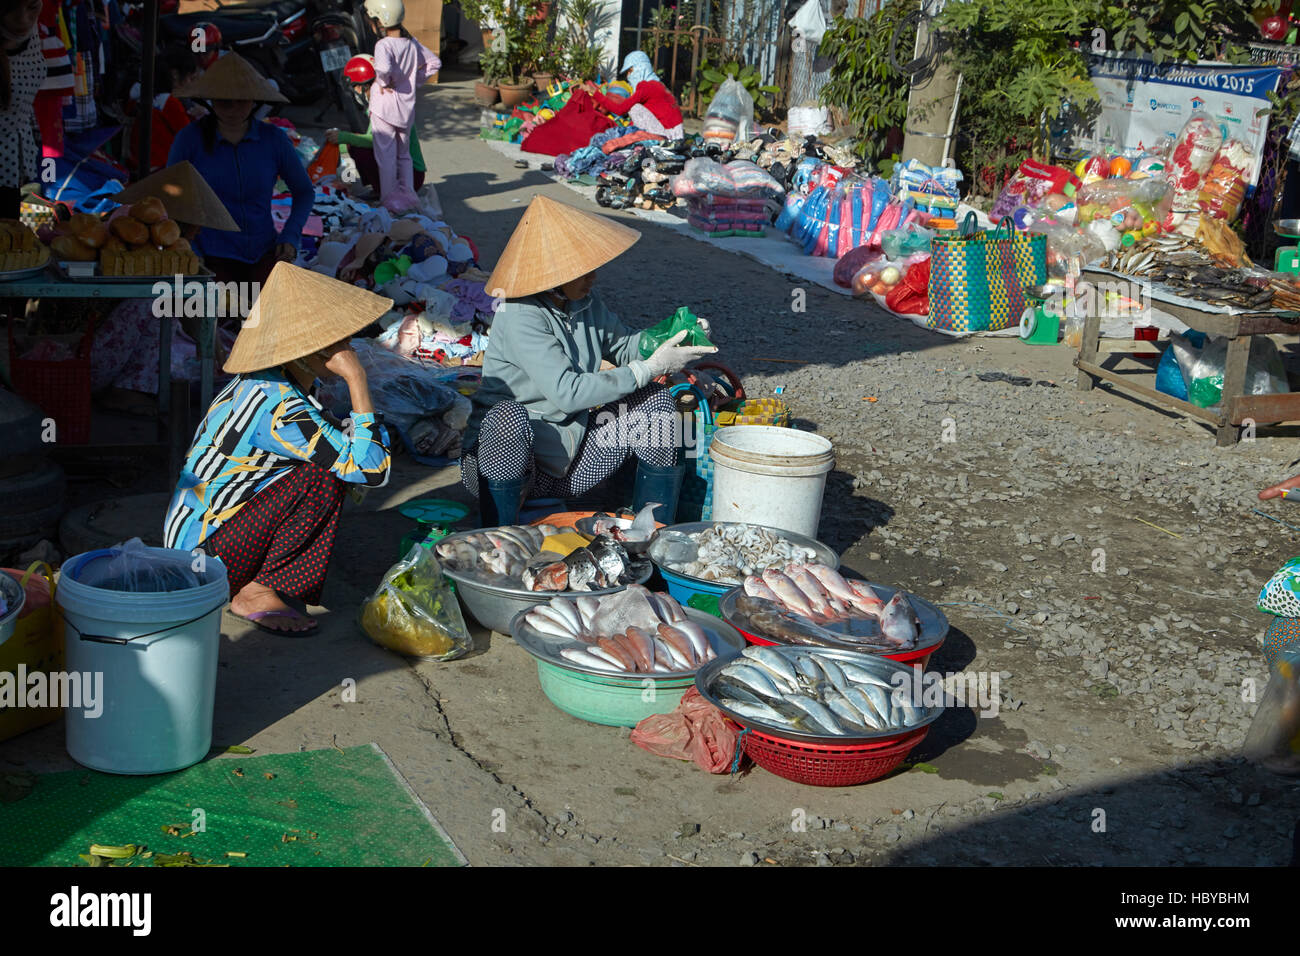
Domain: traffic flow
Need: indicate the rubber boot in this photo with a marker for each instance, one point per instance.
(498, 501)
(661, 485)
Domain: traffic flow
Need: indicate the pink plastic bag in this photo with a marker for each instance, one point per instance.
(696, 731)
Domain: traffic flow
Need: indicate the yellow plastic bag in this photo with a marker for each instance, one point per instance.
(415, 612)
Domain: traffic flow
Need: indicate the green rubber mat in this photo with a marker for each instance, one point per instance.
(317, 808)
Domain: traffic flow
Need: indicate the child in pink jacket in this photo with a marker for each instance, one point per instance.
(402, 65)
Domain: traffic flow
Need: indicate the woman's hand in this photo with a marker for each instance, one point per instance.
(1275, 491)
(331, 136)
(286, 252)
(341, 360)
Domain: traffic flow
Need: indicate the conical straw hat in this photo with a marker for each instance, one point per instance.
(231, 78)
(300, 312)
(185, 194)
(555, 243)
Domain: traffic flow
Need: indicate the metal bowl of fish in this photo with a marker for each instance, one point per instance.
(875, 618)
(710, 557)
(1287, 228)
(494, 567)
(817, 695)
(593, 667)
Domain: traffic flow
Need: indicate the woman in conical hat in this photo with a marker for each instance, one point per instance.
(263, 483)
(242, 157)
(546, 415)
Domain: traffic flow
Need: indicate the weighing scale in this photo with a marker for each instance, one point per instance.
(1038, 324)
(433, 517)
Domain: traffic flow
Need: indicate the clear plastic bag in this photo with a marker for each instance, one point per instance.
(135, 567)
(1065, 243)
(1273, 740)
(415, 612)
(731, 113)
(1265, 374)
(402, 389)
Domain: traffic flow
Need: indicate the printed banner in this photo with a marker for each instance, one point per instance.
(1142, 103)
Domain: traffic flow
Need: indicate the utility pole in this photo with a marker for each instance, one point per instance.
(929, 127)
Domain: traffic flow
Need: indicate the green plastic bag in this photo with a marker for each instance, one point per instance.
(683, 318)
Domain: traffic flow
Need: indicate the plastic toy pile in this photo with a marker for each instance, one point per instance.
(514, 124)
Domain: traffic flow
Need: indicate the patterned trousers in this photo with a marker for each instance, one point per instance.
(283, 536)
(640, 423)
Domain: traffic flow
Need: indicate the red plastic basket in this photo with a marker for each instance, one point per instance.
(60, 389)
(917, 658)
(827, 765)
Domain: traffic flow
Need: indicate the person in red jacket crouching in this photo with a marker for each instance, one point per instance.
(651, 107)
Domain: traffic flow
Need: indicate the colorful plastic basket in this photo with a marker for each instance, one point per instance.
(828, 765)
(755, 411)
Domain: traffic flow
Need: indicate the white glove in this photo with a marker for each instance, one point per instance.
(668, 358)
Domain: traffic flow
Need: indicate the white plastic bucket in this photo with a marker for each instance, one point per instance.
(770, 476)
(157, 652)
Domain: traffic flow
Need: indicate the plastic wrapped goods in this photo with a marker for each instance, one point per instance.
(414, 611)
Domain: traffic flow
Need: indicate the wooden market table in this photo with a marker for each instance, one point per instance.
(1238, 327)
(173, 398)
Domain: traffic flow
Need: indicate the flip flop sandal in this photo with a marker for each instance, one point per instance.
(257, 616)
(1003, 377)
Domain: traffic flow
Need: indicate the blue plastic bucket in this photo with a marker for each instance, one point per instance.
(683, 588)
(157, 654)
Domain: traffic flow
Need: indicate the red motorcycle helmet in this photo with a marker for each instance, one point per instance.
(360, 69)
(210, 36)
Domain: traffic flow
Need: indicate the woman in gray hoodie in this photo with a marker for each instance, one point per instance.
(546, 417)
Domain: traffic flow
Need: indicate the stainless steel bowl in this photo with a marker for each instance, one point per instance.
(726, 640)
(586, 526)
(1287, 228)
(883, 667)
(15, 597)
(824, 554)
(495, 605)
(933, 622)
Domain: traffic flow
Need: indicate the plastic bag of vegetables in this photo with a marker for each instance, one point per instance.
(415, 612)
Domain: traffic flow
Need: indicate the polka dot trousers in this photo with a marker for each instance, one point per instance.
(282, 537)
(641, 423)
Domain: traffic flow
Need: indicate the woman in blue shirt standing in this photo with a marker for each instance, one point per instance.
(243, 158)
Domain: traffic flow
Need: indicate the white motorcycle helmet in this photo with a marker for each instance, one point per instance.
(389, 13)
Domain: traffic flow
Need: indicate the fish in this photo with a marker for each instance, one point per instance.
(755, 711)
(860, 675)
(730, 688)
(545, 573)
(773, 662)
(755, 586)
(587, 608)
(582, 570)
(547, 625)
(774, 621)
(672, 653)
(728, 553)
(848, 714)
(643, 647)
(617, 651)
(610, 558)
(699, 640)
(898, 623)
(865, 706)
(787, 592)
(832, 581)
(568, 612)
(579, 656)
(605, 655)
(806, 669)
(754, 679)
(811, 589)
(865, 598)
(815, 711)
(499, 561)
(833, 673)
(677, 641)
(669, 604)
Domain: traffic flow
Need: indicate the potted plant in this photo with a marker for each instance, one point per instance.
(518, 41)
(494, 65)
(583, 58)
(549, 65)
(477, 10)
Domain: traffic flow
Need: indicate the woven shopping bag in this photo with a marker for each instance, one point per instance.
(975, 281)
(695, 502)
